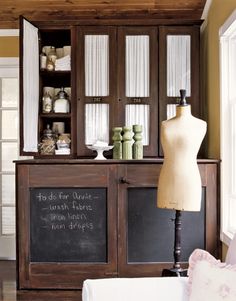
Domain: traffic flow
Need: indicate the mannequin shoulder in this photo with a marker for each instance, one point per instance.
(199, 122)
(193, 122)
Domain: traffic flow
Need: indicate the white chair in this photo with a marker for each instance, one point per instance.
(136, 289)
(143, 289)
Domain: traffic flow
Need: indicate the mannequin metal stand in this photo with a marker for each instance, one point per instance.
(176, 271)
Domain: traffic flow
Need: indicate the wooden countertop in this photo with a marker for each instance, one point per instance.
(108, 161)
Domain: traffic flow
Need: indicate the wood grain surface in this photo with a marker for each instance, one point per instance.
(69, 10)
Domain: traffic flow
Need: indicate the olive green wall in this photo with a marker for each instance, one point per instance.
(219, 11)
(9, 46)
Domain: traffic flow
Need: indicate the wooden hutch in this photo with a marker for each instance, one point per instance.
(80, 218)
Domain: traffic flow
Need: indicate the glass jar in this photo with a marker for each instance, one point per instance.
(47, 103)
(47, 145)
(52, 54)
(51, 59)
(50, 65)
(47, 133)
(43, 60)
(61, 103)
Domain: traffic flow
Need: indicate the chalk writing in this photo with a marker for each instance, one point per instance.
(69, 208)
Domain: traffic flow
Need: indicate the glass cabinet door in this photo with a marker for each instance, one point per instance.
(137, 90)
(96, 86)
(178, 64)
(40, 87)
(179, 69)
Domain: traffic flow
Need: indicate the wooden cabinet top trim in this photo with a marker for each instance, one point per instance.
(108, 161)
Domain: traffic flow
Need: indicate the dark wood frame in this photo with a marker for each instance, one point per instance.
(82, 100)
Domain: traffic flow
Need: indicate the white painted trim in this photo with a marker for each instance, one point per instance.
(203, 26)
(9, 32)
(226, 32)
(205, 15)
(206, 9)
(226, 237)
(9, 62)
(228, 26)
(9, 67)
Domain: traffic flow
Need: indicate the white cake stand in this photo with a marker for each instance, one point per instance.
(100, 149)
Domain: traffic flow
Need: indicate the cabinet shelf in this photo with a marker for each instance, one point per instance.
(55, 115)
(55, 72)
(40, 156)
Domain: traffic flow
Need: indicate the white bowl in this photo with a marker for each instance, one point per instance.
(100, 149)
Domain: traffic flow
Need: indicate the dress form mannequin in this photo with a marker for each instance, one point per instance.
(179, 185)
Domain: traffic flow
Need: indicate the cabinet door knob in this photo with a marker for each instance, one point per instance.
(123, 180)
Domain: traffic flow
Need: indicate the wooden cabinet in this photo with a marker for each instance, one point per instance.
(87, 220)
(78, 218)
(120, 75)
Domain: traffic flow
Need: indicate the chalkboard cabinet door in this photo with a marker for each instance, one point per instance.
(66, 224)
(146, 233)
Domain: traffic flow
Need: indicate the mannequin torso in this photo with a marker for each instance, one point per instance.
(179, 184)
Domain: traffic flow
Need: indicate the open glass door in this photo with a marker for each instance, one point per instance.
(29, 98)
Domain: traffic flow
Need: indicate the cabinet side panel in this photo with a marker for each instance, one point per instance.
(22, 221)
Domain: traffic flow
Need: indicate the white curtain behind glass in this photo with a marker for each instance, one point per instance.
(96, 65)
(139, 114)
(30, 87)
(178, 65)
(96, 123)
(171, 111)
(137, 66)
